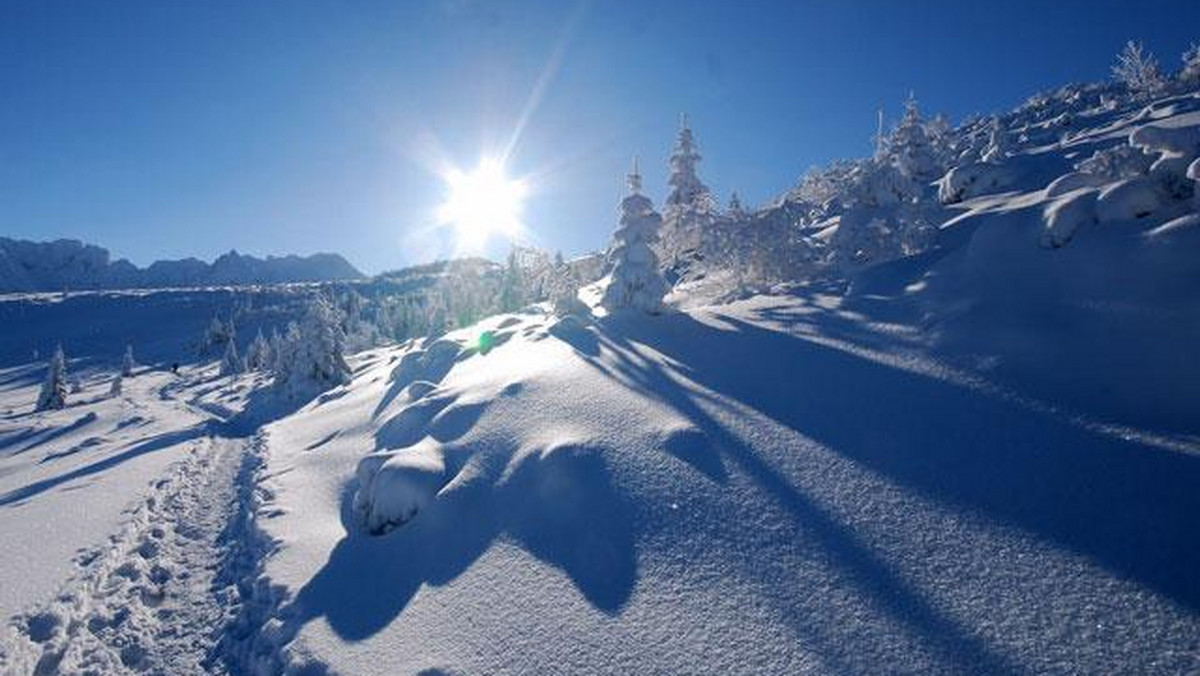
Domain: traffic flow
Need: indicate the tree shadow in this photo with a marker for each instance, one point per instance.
(1123, 503)
(42, 436)
(153, 444)
(559, 505)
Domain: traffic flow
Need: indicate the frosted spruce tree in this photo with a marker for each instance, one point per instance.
(128, 363)
(909, 146)
(998, 147)
(258, 355)
(114, 389)
(54, 389)
(218, 333)
(689, 208)
(311, 358)
(231, 363)
(635, 282)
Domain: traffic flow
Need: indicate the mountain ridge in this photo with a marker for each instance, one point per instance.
(71, 264)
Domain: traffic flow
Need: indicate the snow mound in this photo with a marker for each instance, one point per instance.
(395, 485)
(1065, 216)
(972, 180)
(1128, 200)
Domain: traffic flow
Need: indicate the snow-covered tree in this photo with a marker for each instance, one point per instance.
(54, 389)
(689, 208)
(909, 146)
(564, 292)
(1190, 74)
(276, 350)
(128, 363)
(231, 363)
(735, 210)
(635, 281)
(998, 147)
(312, 353)
(1138, 70)
(217, 335)
(258, 355)
(942, 141)
(114, 390)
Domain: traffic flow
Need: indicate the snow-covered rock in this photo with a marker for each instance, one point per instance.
(393, 486)
(1064, 217)
(1131, 199)
(971, 180)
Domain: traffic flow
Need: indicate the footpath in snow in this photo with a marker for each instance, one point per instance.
(155, 595)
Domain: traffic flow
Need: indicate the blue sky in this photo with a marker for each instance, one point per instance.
(169, 129)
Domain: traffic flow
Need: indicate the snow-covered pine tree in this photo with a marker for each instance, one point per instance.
(276, 348)
(128, 363)
(1138, 70)
(909, 146)
(942, 141)
(512, 286)
(735, 210)
(1190, 74)
(998, 147)
(312, 358)
(689, 208)
(635, 282)
(258, 355)
(217, 334)
(231, 363)
(114, 390)
(54, 388)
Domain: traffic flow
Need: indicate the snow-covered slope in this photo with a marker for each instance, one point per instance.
(777, 486)
(1075, 287)
(70, 264)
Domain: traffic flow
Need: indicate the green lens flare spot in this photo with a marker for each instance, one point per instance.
(486, 342)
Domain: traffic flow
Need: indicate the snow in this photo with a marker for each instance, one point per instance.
(657, 493)
(1065, 216)
(971, 180)
(1128, 200)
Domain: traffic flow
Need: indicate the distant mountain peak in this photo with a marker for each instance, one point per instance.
(72, 264)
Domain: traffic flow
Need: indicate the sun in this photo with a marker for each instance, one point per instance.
(482, 202)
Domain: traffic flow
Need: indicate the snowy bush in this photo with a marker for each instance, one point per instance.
(635, 282)
(1138, 71)
(114, 389)
(54, 388)
(1119, 161)
(971, 180)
